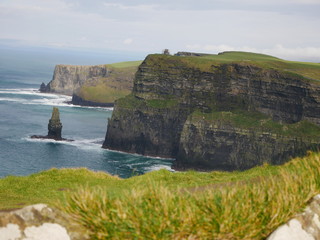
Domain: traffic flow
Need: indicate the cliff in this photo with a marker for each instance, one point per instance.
(98, 85)
(227, 111)
(68, 78)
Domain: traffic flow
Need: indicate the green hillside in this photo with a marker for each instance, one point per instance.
(117, 84)
(179, 205)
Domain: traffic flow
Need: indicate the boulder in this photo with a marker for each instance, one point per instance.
(39, 222)
(304, 226)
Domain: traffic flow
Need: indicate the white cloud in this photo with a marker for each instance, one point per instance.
(150, 26)
(128, 41)
(297, 53)
(142, 7)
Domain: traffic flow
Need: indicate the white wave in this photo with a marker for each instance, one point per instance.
(84, 144)
(49, 99)
(26, 91)
(140, 155)
(158, 167)
(12, 99)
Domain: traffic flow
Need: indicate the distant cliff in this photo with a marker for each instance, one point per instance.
(98, 85)
(230, 111)
(67, 79)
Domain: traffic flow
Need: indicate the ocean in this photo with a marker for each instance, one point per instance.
(24, 111)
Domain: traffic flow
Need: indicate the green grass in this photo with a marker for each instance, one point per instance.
(51, 185)
(162, 103)
(130, 102)
(247, 209)
(307, 70)
(117, 84)
(259, 122)
(181, 205)
(102, 93)
(125, 64)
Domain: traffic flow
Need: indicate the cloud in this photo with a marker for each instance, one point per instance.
(128, 41)
(150, 26)
(140, 7)
(297, 53)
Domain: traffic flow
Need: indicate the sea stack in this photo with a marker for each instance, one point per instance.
(55, 126)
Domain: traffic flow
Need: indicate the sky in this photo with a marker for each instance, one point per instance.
(288, 29)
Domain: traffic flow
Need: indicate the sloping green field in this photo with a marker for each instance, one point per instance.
(180, 205)
(117, 84)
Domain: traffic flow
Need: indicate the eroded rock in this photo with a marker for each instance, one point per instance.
(54, 128)
(305, 226)
(39, 222)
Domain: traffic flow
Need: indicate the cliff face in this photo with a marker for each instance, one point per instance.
(176, 105)
(204, 143)
(68, 78)
(98, 85)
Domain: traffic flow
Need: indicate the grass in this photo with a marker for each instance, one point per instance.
(117, 84)
(240, 210)
(307, 70)
(259, 122)
(166, 205)
(132, 102)
(102, 93)
(125, 64)
(162, 103)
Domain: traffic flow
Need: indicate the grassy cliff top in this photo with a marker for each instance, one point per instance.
(116, 85)
(180, 205)
(258, 122)
(125, 64)
(307, 70)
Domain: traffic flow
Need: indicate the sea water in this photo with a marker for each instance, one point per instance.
(24, 111)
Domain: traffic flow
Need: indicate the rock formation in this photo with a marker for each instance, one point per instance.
(43, 87)
(54, 127)
(98, 85)
(39, 222)
(67, 79)
(305, 225)
(217, 115)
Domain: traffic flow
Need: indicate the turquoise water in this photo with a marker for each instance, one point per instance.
(25, 112)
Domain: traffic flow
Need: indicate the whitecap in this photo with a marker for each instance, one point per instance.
(49, 99)
(84, 144)
(158, 167)
(139, 155)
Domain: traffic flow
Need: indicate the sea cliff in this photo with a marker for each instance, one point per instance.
(69, 78)
(228, 111)
(98, 85)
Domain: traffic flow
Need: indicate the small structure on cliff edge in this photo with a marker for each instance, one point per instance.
(54, 127)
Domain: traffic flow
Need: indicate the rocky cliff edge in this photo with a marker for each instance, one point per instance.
(227, 111)
(98, 85)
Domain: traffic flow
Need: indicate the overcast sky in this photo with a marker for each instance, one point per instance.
(288, 29)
